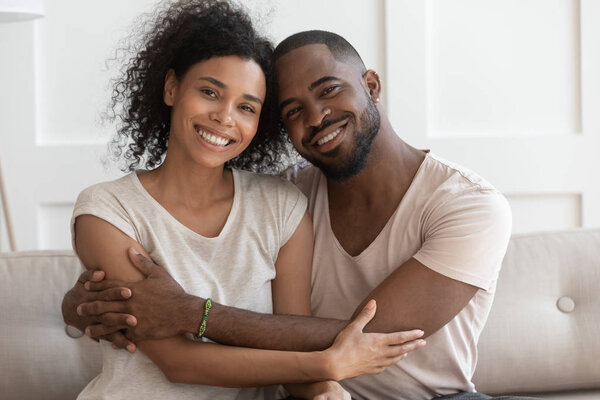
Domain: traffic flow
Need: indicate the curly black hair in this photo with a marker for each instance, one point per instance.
(177, 36)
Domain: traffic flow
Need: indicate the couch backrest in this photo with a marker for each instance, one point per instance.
(38, 360)
(528, 345)
(543, 333)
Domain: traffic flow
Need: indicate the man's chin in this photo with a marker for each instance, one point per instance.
(340, 173)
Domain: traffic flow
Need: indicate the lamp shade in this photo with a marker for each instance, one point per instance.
(20, 10)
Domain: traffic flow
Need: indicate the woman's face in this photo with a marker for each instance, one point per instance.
(215, 109)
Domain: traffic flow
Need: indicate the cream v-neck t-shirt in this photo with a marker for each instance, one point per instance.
(450, 220)
(235, 268)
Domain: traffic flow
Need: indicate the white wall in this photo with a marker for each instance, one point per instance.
(506, 87)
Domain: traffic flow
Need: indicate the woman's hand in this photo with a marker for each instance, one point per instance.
(355, 353)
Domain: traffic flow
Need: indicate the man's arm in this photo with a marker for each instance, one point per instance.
(429, 300)
(100, 245)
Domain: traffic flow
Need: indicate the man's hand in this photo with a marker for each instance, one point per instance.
(78, 294)
(156, 304)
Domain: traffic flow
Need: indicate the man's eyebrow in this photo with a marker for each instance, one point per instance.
(221, 85)
(286, 103)
(311, 87)
(321, 81)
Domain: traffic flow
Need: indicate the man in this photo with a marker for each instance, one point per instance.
(423, 237)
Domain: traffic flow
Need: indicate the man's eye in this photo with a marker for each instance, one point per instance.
(292, 111)
(329, 89)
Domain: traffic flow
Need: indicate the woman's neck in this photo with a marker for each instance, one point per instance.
(182, 183)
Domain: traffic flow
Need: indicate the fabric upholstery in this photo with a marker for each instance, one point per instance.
(38, 359)
(529, 344)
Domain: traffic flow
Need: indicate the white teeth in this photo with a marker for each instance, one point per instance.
(212, 139)
(329, 137)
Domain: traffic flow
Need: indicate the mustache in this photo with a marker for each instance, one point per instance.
(325, 124)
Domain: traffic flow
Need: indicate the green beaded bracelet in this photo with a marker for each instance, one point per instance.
(202, 326)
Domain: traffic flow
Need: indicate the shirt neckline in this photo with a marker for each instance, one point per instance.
(166, 214)
(362, 254)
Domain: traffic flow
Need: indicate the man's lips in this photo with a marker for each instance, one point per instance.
(328, 133)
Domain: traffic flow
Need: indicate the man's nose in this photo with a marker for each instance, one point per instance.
(316, 114)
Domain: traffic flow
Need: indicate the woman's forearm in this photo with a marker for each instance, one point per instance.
(184, 361)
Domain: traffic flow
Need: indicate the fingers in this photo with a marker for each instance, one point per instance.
(144, 265)
(100, 331)
(365, 315)
(108, 294)
(403, 337)
(119, 341)
(96, 308)
(406, 348)
(104, 285)
(91, 275)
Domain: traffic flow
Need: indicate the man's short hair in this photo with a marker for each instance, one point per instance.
(337, 45)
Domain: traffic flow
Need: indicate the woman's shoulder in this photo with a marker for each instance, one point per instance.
(265, 182)
(109, 190)
(271, 191)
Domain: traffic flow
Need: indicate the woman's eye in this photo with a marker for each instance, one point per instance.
(209, 92)
(248, 108)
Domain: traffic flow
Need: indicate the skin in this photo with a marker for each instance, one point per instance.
(223, 96)
(359, 209)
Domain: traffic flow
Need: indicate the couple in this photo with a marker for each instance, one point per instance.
(423, 237)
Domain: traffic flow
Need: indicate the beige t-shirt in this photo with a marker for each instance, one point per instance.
(234, 268)
(450, 220)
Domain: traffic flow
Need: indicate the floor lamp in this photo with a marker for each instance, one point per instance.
(14, 11)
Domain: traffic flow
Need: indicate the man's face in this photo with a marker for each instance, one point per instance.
(327, 110)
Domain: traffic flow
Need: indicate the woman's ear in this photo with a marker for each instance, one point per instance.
(170, 88)
(373, 83)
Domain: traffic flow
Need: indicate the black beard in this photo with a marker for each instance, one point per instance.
(370, 123)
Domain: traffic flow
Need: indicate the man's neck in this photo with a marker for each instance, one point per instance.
(390, 169)
(361, 207)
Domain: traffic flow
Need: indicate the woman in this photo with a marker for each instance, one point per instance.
(199, 85)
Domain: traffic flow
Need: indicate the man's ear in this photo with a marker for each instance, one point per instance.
(170, 88)
(373, 84)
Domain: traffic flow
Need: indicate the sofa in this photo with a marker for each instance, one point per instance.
(542, 337)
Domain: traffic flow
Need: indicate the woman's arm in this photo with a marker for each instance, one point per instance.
(291, 294)
(102, 246)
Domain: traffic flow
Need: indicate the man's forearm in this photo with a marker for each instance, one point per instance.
(237, 327)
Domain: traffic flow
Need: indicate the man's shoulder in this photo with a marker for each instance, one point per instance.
(454, 195)
(438, 170)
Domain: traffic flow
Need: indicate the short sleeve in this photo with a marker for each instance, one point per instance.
(466, 237)
(295, 204)
(101, 202)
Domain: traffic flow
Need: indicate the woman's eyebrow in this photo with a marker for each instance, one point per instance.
(214, 81)
(222, 85)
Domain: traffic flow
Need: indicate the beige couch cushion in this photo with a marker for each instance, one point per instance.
(529, 344)
(39, 360)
